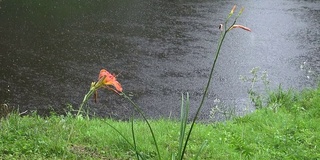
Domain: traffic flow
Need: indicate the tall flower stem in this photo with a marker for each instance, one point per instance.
(221, 39)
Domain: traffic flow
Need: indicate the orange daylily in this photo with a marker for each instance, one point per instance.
(110, 80)
(107, 79)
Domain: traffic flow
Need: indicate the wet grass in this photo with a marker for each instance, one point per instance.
(286, 128)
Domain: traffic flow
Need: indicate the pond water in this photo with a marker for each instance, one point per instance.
(50, 52)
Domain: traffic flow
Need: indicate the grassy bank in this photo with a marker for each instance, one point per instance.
(287, 128)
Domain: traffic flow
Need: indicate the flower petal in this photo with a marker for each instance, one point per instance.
(241, 26)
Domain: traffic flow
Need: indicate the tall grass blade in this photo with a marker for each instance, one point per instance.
(181, 136)
(204, 144)
(183, 119)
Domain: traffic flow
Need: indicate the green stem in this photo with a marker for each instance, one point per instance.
(85, 99)
(137, 108)
(94, 86)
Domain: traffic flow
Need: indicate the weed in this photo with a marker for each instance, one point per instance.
(228, 112)
(255, 96)
(4, 110)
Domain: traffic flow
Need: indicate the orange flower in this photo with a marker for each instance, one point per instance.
(240, 26)
(106, 79)
(110, 80)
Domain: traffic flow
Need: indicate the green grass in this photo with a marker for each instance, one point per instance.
(288, 128)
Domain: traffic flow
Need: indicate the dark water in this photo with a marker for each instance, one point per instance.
(50, 52)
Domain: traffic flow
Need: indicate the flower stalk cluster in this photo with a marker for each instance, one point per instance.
(109, 81)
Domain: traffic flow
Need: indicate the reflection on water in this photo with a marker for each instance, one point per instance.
(51, 51)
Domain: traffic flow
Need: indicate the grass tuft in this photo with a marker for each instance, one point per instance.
(293, 132)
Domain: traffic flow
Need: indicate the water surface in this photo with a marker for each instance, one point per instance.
(50, 52)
